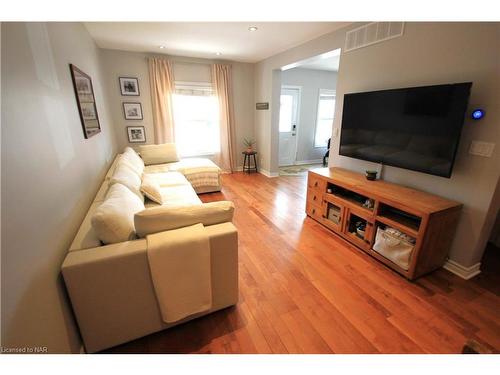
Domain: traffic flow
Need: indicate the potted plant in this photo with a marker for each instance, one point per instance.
(249, 143)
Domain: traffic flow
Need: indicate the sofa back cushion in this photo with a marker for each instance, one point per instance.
(126, 176)
(159, 154)
(113, 220)
(158, 219)
(133, 160)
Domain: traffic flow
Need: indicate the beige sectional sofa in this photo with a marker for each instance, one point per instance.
(110, 285)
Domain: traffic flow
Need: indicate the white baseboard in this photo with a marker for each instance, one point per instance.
(302, 162)
(267, 173)
(238, 169)
(462, 271)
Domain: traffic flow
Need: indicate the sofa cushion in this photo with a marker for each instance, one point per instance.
(180, 195)
(156, 168)
(198, 171)
(151, 189)
(126, 176)
(133, 160)
(169, 178)
(158, 154)
(161, 218)
(113, 220)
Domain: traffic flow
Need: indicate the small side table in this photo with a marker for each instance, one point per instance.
(246, 162)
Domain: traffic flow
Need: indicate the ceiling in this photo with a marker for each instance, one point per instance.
(326, 61)
(329, 63)
(204, 39)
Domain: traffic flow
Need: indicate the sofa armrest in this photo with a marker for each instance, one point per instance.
(112, 293)
(161, 218)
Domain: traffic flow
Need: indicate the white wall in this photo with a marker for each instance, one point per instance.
(50, 174)
(133, 64)
(126, 64)
(310, 81)
(267, 89)
(427, 53)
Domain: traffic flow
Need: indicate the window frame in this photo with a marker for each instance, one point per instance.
(194, 86)
(330, 92)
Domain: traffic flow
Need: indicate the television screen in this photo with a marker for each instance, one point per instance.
(415, 128)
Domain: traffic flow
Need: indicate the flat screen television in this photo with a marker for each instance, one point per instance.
(416, 128)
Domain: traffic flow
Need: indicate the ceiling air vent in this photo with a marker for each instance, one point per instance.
(372, 33)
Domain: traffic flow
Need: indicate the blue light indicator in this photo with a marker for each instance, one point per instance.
(477, 114)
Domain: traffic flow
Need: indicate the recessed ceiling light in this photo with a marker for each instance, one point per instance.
(218, 53)
(161, 47)
(253, 28)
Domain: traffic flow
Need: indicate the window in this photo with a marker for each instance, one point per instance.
(196, 120)
(326, 109)
(286, 110)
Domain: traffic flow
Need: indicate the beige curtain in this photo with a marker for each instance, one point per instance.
(161, 80)
(222, 81)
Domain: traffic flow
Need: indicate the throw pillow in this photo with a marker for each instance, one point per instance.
(151, 189)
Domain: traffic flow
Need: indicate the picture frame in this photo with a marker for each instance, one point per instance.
(129, 86)
(88, 111)
(136, 134)
(132, 110)
(85, 100)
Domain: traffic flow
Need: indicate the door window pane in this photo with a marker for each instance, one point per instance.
(286, 108)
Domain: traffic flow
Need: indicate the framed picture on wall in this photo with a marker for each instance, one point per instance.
(136, 134)
(129, 86)
(85, 100)
(132, 111)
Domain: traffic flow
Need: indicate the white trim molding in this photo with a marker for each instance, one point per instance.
(462, 271)
(304, 162)
(267, 173)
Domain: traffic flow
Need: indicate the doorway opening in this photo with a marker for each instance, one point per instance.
(306, 112)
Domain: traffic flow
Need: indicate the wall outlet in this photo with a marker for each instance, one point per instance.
(481, 148)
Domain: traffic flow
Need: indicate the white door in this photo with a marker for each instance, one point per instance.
(289, 108)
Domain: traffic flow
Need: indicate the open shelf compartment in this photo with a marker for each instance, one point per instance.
(357, 227)
(395, 246)
(402, 220)
(350, 196)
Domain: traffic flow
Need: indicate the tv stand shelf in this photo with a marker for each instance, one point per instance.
(356, 209)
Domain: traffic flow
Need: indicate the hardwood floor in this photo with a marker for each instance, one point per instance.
(305, 290)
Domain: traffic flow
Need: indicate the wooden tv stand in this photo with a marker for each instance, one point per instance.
(337, 198)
